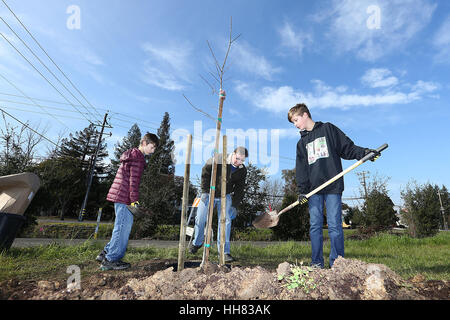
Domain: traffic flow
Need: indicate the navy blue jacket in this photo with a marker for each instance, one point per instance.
(319, 154)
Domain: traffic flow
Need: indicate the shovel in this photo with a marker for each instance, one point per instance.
(270, 219)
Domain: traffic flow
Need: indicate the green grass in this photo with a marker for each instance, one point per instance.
(404, 255)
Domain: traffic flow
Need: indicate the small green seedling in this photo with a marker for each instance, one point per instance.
(300, 278)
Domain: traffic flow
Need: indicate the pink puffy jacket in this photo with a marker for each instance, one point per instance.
(125, 188)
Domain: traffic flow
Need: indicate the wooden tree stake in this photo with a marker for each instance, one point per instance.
(187, 169)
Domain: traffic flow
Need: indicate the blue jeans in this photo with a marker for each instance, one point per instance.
(201, 217)
(117, 246)
(333, 204)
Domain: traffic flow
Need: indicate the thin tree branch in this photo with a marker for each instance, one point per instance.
(210, 85)
(215, 78)
(215, 59)
(199, 110)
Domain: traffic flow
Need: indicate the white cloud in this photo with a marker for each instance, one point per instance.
(292, 133)
(88, 56)
(174, 55)
(161, 79)
(248, 60)
(376, 78)
(294, 40)
(269, 97)
(280, 99)
(167, 66)
(441, 42)
(400, 21)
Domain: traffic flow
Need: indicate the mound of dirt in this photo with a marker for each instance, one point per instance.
(349, 279)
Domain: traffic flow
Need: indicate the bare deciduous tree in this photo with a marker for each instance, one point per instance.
(273, 189)
(19, 146)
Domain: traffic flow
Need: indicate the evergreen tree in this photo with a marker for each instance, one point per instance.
(294, 224)
(157, 189)
(290, 185)
(132, 140)
(82, 145)
(163, 156)
(422, 209)
(254, 198)
(378, 211)
(62, 186)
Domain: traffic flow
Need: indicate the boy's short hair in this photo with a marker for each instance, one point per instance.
(241, 151)
(299, 109)
(150, 138)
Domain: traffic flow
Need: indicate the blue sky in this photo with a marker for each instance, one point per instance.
(379, 70)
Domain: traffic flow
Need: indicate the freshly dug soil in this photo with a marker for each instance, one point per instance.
(349, 279)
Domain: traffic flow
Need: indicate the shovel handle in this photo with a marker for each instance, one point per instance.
(288, 207)
(339, 175)
(371, 154)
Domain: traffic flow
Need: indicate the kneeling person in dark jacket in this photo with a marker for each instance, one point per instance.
(124, 192)
(236, 174)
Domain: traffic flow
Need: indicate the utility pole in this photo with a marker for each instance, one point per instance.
(442, 212)
(363, 182)
(91, 174)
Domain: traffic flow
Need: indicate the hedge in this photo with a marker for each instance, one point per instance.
(82, 230)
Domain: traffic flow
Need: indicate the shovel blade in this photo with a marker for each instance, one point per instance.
(266, 220)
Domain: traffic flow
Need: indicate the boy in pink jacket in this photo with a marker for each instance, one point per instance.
(124, 192)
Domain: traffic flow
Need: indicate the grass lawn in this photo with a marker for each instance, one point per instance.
(406, 256)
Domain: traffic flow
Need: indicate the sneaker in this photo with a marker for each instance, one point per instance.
(114, 265)
(101, 256)
(228, 258)
(193, 248)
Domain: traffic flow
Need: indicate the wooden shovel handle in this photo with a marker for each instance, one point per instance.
(356, 164)
(288, 207)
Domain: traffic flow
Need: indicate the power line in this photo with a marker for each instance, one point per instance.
(58, 115)
(45, 65)
(18, 109)
(41, 135)
(18, 89)
(43, 106)
(100, 108)
(282, 158)
(60, 109)
(40, 73)
(48, 56)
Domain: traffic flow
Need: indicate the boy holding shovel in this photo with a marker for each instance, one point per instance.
(319, 153)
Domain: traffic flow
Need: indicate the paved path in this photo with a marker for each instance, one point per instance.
(71, 220)
(34, 242)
